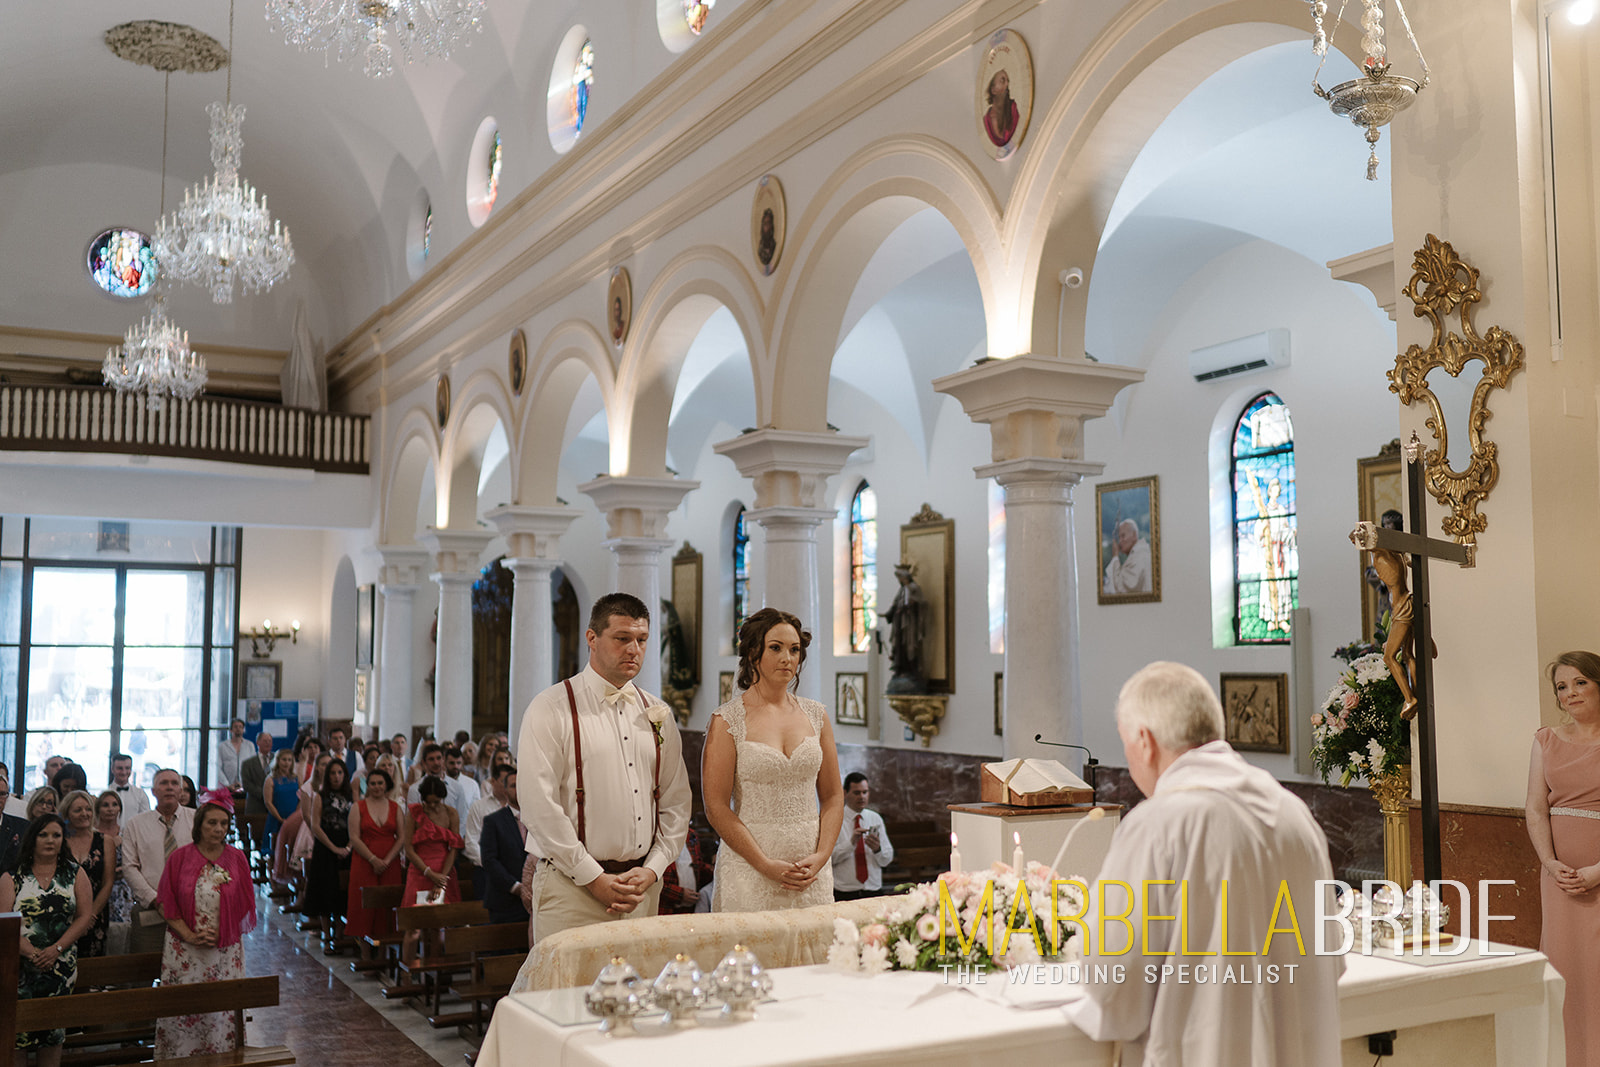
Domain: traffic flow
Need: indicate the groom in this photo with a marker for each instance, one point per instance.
(603, 788)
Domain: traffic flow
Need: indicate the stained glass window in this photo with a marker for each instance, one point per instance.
(427, 214)
(741, 574)
(582, 79)
(122, 262)
(695, 13)
(491, 186)
(863, 568)
(1266, 558)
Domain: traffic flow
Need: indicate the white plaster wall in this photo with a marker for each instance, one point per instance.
(1341, 346)
(284, 575)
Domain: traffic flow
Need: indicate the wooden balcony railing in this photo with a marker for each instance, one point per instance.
(78, 418)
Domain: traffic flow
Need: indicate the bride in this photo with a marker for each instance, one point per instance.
(769, 765)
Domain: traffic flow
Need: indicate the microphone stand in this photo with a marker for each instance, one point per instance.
(1090, 764)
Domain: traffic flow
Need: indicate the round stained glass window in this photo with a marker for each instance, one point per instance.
(122, 262)
(695, 13)
(582, 79)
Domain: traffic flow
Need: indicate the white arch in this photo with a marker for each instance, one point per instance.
(675, 307)
(856, 209)
(570, 353)
(481, 404)
(416, 452)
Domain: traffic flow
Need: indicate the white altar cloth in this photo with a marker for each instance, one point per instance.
(903, 1019)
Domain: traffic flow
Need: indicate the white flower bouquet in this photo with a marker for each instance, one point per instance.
(980, 920)
(1359, 729)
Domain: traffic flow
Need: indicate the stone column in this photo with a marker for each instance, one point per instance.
(455, 554)
(636, 511)
(532, 536)
(790, 470)
(401, 575)
(1035, 409)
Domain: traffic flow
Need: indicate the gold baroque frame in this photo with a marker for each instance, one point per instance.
(1442, 283)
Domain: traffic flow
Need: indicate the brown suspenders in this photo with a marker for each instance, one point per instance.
(577, 763)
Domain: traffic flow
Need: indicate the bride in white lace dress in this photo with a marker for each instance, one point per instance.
(770, 778)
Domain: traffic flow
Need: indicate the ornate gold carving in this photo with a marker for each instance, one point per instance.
(1393, 790)
(926, 515)
(166, 46)
(1443, 284)
(922, 713)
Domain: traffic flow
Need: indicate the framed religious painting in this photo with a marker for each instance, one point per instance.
(1005, 93)
(1128, 524)
(260, 679)
(1379, 488)
(768, 221)
(1255, 712)
(619, 306)
(999, 703)
(364, 625)
(441, 400)
(687, 566)
(518, 360)
(928, 545)
(850, 698)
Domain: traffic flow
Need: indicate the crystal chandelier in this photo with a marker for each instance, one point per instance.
(343, 28)
(220, 234)
(1377, 96)
(155, 359)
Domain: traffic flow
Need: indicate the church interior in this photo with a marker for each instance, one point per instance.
(746, 314)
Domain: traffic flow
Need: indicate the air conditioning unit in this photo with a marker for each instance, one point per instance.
(1256, 352)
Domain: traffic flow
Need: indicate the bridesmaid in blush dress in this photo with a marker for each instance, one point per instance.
(1563, 817)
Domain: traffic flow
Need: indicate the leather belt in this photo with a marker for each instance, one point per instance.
(618, 866)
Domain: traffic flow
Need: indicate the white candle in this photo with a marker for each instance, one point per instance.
(1016, 853)
(955, 855)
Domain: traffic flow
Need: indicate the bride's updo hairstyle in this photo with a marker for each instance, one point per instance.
(753, 640)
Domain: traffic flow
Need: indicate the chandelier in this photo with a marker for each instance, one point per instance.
(220, 234)
(343, 28)
(154, 359)
(1377, 96)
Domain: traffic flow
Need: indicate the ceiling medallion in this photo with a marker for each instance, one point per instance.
(166, 46)
(424, 29)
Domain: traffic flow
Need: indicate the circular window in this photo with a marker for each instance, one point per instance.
(571, 82)
(122, 262)
(483, 172)
(680, 21)
(419, 235)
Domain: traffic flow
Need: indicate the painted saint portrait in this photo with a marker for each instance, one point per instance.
(518, 361)
(767, 221)
(441, 400)
(619, 306)
(1005, 93)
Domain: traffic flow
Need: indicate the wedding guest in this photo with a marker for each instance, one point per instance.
(469, 764)
(337, 747)
(683, 886)
(503, 848)
(255, 773)
(329, 820)
(863, 849)
(108, 821)
(463, 789)
(70, 778)
(282, 794)
(493, 799)
(188, 797)
(231, 754)
(147, 839)
(210, 904)
(12, 827)
(54, 898)
(98, 861)
(431, 843)
(41, 801)
(374, 830)
(134, 800)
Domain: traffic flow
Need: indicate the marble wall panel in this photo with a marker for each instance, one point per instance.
(1478, 843)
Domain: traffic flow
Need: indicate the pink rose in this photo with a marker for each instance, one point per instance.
(1351, 700)
(928, 927)
(876, 934)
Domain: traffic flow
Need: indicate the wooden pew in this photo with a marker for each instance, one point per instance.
(113, 1043)
(432, 969)
(478, 945)
(10, 963)
(131, 1005)
(493, 980)
(380, 952)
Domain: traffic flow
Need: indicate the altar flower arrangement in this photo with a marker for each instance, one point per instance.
(981, 920)
(1359, 730)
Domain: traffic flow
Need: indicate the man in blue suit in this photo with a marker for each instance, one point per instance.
(503, 845)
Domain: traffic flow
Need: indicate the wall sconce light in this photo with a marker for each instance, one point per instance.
(264, 637)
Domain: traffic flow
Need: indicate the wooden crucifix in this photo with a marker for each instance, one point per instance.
(1412, 667)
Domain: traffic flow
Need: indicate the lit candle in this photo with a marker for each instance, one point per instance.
(1016, 853)
(955, 855)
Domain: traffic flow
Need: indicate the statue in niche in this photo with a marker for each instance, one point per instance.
(908, 633)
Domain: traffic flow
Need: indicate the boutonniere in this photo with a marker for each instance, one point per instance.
(657, 714)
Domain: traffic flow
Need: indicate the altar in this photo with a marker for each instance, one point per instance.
(1478, 1009)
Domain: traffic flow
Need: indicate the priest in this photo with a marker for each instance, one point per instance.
(1206, 900)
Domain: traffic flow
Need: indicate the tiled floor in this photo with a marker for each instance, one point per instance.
(326, 1014)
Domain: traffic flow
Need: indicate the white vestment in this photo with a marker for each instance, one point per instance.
(1214, 817)
(1130, 575)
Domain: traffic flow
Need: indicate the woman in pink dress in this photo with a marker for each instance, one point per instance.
(1563, 816)
(210, 904)
(431, 839)
(375, 823)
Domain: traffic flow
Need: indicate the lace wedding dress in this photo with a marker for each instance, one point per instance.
(775, 796)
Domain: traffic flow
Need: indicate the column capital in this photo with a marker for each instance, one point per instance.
(403, 566)
(532, 532)
(783, 518)
(1037, 470)
(1036, 407)
(637, 507)
(790, 468)
(455, 551)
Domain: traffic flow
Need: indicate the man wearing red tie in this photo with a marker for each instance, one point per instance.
(863, 849)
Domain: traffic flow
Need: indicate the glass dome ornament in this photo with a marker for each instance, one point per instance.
(1377, 96)
(220, 234)
(423, 29)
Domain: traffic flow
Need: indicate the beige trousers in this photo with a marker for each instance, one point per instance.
(560, 904)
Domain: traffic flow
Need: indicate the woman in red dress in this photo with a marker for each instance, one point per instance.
(375, 823)
(431, 839)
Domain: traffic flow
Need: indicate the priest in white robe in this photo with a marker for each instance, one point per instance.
(1211, 819)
